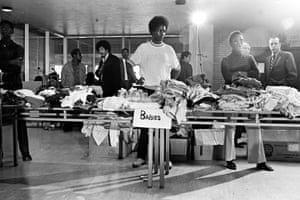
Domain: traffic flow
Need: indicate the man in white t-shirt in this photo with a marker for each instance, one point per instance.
(156, 60)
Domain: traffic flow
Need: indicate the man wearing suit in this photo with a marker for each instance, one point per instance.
(108, 72)
(280, 67)
(127, 74)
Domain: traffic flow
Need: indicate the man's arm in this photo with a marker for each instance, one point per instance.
(141, 80)
(189, 71)
(264, 76)
(291, 70)
(225, 72)
(253, 72)
(131, 74)
(14, 64)
(175, 72)
(64, 73)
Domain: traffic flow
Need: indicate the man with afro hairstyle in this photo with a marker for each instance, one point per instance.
(108, 72)
(156, 60)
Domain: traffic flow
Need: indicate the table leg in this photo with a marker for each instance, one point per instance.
(156, 151)
(15, 133)
(161, 158)
(150, 157)
(167, 150)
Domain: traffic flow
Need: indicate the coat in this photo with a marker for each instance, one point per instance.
(109, 75)
(284, 71)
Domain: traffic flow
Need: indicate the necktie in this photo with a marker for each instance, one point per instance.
(272, 62)
(125, 70)
(101, 69)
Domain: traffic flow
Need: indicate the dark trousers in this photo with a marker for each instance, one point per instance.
(23, 138)
(142, 149)
(238, 133)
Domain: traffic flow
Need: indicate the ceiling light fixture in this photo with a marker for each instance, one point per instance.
(180, 2)
(6, 9)
(198, 18)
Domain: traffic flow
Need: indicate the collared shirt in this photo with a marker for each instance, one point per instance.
(105, 58)
(125, 69)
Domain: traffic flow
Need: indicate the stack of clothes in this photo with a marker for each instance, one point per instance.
(172, 97)
(282, 98)
(199, 97)
(243, 94)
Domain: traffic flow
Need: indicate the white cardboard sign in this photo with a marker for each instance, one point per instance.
(151, 118)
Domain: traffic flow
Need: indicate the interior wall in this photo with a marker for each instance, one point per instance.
(201, 45)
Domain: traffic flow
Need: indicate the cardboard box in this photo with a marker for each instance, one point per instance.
(209, 136)
(209, 152)
(281, 135)
(180, 149)
(282, 150)
(178, 146)
(104, 150)
(203, 152)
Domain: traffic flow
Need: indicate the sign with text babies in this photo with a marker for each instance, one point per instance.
(151, 118)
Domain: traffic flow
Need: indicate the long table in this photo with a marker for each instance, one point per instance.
(159, 138)
(241, 118)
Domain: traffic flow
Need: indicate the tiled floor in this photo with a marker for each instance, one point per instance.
(62, 169)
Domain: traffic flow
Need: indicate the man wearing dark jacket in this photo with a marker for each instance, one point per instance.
(108, 72)
(11, 60)
(280, 66)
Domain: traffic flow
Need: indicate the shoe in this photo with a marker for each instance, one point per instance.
(170, 165)
(264, 166)
(239, 145)
(139, 162)
(27, 157)
(230, 165)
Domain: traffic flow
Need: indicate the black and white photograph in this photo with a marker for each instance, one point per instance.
(151, 100)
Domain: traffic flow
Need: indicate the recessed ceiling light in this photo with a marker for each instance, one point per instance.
(6, 9)
(180, 2)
